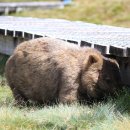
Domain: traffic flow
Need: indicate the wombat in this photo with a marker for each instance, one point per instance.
(50, 70)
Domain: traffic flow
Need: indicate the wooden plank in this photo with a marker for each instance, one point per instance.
(10, 33)
(19, 34)
(101, 48)
(85, 43)
(37, 36)
(128, 51)
(28, 35)
(2, 31)
(117, 51)
(72, 41)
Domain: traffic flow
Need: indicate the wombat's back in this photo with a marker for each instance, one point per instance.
(45, 44)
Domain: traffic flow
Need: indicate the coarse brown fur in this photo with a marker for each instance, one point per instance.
(46, 69)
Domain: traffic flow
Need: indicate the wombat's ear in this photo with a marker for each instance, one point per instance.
(114, 61)
(94, 59)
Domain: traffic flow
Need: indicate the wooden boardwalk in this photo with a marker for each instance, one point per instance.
(111, 41)
(107, 39)
(8, 7)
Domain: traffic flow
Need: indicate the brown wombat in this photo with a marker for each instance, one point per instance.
(48, 70)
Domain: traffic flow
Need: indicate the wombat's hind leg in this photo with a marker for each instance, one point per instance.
(19, 98)
(68, 98)
(68, 92)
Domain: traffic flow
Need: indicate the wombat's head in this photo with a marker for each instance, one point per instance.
(100, 77)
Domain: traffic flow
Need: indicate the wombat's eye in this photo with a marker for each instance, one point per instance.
(108, 79)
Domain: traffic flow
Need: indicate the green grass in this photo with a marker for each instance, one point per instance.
(112, 115)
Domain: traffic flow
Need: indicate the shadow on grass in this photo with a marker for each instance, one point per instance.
(122, 102)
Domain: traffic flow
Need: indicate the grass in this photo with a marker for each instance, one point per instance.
(112, 12)
(112, 115)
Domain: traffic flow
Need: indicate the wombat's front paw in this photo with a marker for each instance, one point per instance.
(68, 99)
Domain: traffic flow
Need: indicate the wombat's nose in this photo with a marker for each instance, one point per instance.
(120, 85)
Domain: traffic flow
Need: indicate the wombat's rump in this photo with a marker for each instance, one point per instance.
(45, 70)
